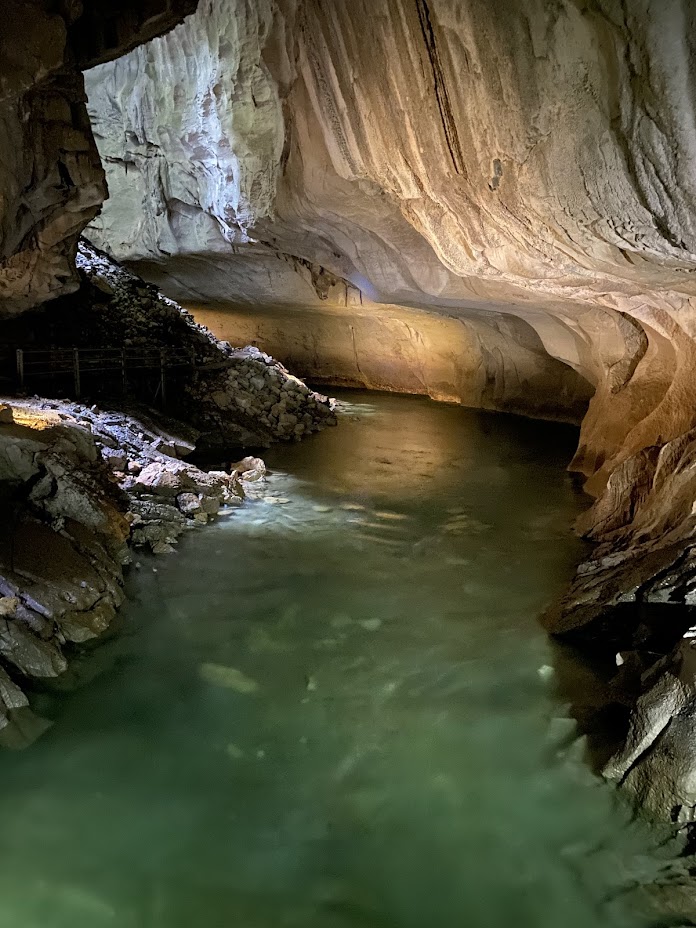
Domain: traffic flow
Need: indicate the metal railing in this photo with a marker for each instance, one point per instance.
(123, 370)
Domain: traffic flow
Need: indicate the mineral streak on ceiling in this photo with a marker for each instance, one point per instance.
(534, 160)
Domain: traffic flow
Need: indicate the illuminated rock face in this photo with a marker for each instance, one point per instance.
(497, 362)
(536, 161)
(358, 180)
(51, 180)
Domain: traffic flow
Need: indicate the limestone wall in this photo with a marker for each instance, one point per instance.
(491, 362)
(51, 179)
(534, 162)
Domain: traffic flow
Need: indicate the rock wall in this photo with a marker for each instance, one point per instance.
(534, 162)
(523, 175)
(52, 183)
(494, 361)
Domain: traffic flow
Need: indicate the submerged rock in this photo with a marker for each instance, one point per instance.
(228, 677)
(370, 625)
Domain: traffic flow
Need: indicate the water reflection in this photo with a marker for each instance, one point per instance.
(335, 709)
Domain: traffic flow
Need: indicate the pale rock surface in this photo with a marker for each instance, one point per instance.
(533, 163)
(432, 196)
(52, 182)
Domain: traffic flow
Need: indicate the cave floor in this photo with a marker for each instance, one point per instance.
(335, 708)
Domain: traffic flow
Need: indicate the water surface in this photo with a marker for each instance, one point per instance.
(334, 708)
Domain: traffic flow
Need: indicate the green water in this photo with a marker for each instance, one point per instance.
(326, 716)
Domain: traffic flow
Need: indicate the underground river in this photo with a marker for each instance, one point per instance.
(334, 708)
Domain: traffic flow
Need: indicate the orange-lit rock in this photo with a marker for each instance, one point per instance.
(429, 196)
(495, 361)
(446, 159)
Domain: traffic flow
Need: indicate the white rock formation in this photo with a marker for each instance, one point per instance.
(191, 129)
(359, 180)
(443, 157)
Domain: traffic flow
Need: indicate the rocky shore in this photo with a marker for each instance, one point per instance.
(82, 486)
(82, 490)
(630, 612)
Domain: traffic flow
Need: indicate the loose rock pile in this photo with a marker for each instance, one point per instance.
(257, 387)
(80, 486)
(166, 495)
(236, 395)
(232, 396)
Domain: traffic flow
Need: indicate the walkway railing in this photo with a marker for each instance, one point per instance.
(121, 370)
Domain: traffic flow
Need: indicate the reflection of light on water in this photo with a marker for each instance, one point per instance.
(372, 444)
(345, 408)
(281, 506)
(328, 712)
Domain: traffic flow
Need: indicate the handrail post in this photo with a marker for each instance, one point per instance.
(163, 377)
(20, 368)
(76, 372)
(124, 382)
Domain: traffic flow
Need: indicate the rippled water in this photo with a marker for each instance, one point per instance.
(335, 709)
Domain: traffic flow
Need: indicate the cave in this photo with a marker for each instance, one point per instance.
(347, 463)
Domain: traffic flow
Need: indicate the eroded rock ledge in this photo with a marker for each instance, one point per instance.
(52, 182)
(80, 487)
